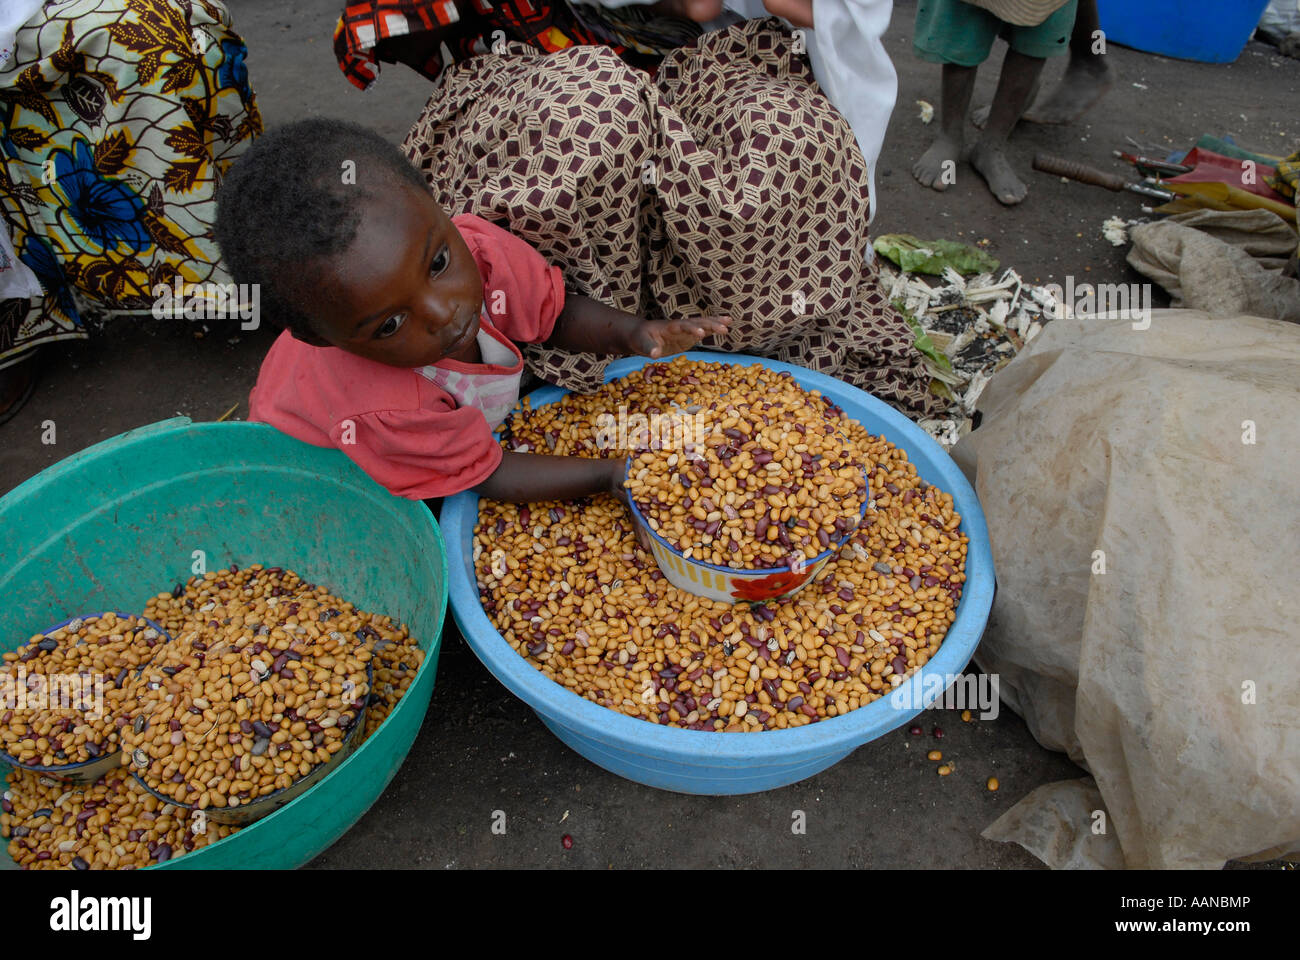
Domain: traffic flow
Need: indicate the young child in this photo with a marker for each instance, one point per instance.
(400, 323)
(959, 34)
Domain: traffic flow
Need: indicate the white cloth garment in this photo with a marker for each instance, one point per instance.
(13, 14)
(492, 384)
(16, 279)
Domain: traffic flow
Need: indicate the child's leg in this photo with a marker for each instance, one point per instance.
(937, 164)
(1015, 86)
(958, 35)
(980, 115)
(1087, 76)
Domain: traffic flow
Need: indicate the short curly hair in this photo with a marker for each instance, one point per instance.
(287, 201)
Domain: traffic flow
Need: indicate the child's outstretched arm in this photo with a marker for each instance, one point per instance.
(525, 477)
(588, 326)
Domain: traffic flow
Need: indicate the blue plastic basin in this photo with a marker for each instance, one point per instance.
(694, 761)
(1211, 31)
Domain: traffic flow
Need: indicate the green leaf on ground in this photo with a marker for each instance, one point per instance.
(931, 256)
(922, 339)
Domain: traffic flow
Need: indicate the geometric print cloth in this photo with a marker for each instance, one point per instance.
(726, 184)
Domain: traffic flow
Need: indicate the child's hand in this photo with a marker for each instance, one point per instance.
(620, 493)
(588, 326)
(663, 338)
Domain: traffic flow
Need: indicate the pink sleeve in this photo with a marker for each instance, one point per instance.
(421, 453)
(523, 294)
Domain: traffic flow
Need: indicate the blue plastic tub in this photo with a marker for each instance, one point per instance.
(1211, 31)
(693, 761)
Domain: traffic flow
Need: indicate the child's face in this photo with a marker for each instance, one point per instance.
(406, 293)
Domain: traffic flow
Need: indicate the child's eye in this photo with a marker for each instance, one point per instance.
(390, 326)
(440, 262)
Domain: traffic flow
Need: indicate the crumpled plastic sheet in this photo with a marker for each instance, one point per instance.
(1169, 458)
(1223, 262)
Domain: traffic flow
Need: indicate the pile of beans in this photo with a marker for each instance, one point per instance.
(91, 655)
(250, 597)
(244, 713)
(569, 588)
(769, 483)
(113, 824)
(239, 739)
(395, 658)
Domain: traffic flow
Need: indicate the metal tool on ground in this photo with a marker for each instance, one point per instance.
(1083, 173)
(1148, 167)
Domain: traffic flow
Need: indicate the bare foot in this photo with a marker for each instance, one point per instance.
(938, 165)
(993, 166)
(1084, 83)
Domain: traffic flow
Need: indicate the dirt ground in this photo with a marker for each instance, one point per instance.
(482, 750)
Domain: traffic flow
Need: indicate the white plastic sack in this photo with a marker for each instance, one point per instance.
(1221, 277)
(1141, 489)
(1280, 19)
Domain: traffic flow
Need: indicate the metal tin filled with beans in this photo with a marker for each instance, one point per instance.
(754, 506)
(64, 692)
(247, 707)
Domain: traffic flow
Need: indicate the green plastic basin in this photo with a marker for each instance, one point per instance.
(113, 525)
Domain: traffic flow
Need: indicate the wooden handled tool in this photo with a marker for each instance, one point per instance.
(1082, 172)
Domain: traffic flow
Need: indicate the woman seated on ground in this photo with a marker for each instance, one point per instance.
(669, 172)
(110, 150)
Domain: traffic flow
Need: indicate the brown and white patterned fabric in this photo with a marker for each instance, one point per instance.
(727, 184)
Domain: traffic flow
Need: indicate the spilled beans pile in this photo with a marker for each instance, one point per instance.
(766, 483)
(569, 588)
(261, 682)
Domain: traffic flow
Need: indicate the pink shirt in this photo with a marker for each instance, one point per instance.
(405, 427)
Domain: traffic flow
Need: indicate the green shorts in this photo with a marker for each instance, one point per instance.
(950, 31)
